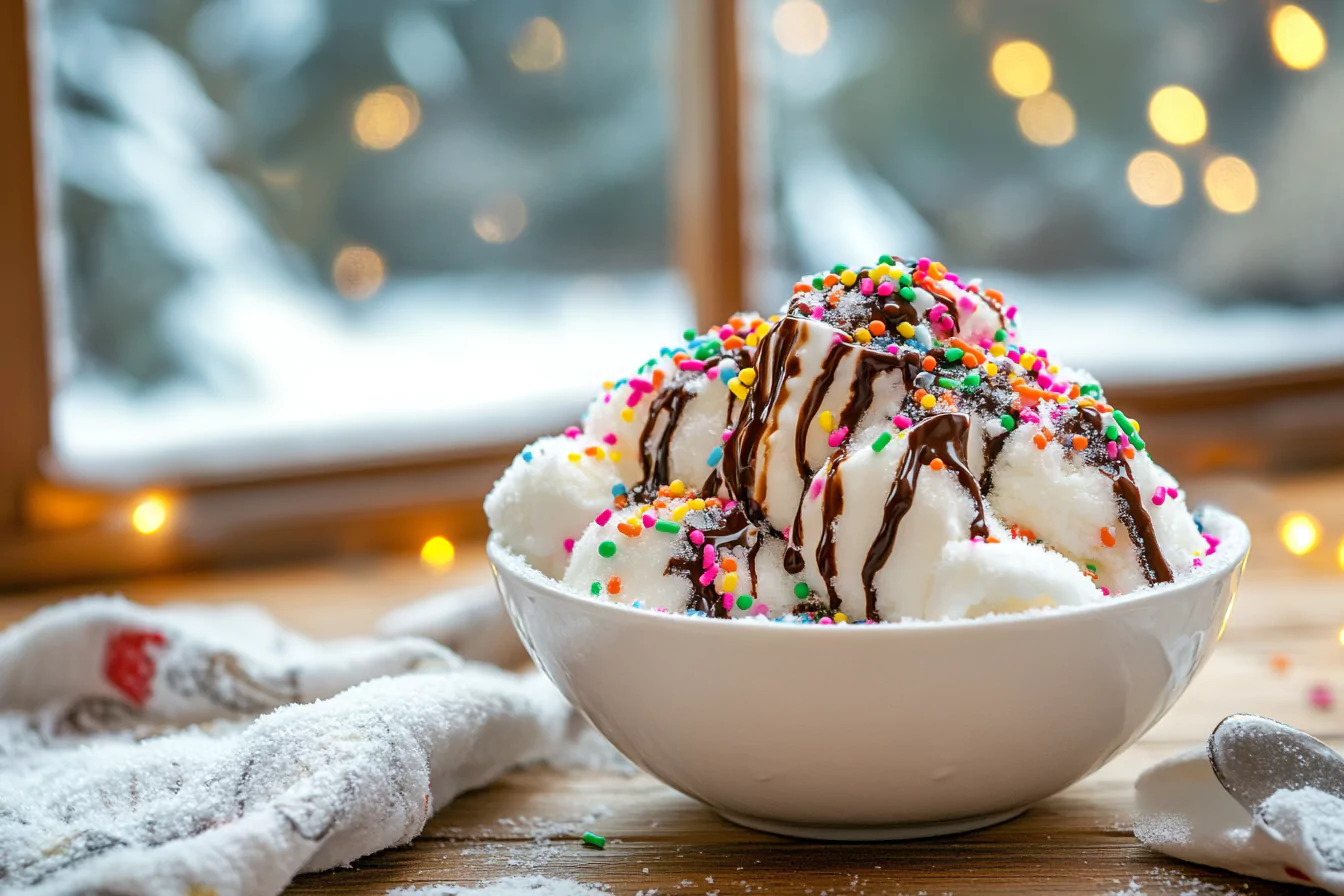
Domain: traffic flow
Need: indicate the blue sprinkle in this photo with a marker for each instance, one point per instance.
(716, 455)
(618, 489)
(527, 457)
(635, 605)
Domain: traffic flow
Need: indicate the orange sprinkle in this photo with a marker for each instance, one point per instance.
(736, 323)
(1074, 391)
(661, 503)
(1015, 381)
(679, 357)
(877, 328)
(969, 360)
(1040, 440)
(1033, 394)
(622, 501)
(1129, 454)
(990, 539)
(937, 270)
(1108, 536)
(729, 564)
(733, 342)
(1104, 408)
(919, 394)
(948, 399)
(830, 280)
(614, 585)
(994, 294)
(591, 451)
(664, 491)
(712, 502)
(659, 376)
(928, 363)
(833, 301)
(628, 530)
(936, 464)
(1079, 443)
(802, 287)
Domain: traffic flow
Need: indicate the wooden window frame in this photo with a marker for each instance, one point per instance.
(52, 531)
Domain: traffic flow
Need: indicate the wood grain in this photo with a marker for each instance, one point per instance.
(1079, 842)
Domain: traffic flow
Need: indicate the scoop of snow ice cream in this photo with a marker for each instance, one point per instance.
(548, 495)
(887, 447)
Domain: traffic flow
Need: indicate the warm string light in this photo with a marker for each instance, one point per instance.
(1046, 119)
(1154, 178)
(500, 220)
(358, 272)
(1230, 185)
(1021, 69)
(800, 27)
(438, 553)
(539, 47)
(1300, 533)
(385, 117)
(149, 515)
(1177, 115)
(1297, 38)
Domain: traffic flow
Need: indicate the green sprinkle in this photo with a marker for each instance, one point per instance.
(972, 381)
(1007, 422)
(1090, 389)
(607, 549)
(744, 601)
(1124, 422)
(881, 441)
(801, 591)
(708, 350)
(1136, 441)
(667, 526)
(905, 280)
(885, 259)
(687, 334)
(1000, 335)
(947, 383)
(818, 282)
(594, 840)
(954, 354)
(596, 588)
(839, 268)
(1112, 432)
(1092, 567)
(907, 293)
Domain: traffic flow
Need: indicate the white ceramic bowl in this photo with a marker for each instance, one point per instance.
(883, 731)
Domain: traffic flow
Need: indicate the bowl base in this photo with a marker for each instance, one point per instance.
(871, 832)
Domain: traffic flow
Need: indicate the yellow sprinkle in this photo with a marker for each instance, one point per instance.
(905, 330)
(633, 521)
(1086, 403)
(827, 421)
(991, 368)
(697, 503)
(681, 512)
(730, 583)
(627, 414)
(616, 456)
(575, 457)
(735, 386)
(747, 375)
(774, 318)
(1053, 368)
(1027, 360)
(841, 617)
(753, 339)
(762, 328)
(998, 350)
(1135, 424)
(882, 270)
(645, 508)
(927, 401)
(848, 278)
(599, 453)
(608, 385)
(863, 336)
(676, 488)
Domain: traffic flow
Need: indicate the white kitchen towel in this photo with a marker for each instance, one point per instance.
(1295, 836)
(207, 750)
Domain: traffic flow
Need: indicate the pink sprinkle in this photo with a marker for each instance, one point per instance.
(649, 521)
(660, 609)
(1060, 387)
(710, 557)
(727, 601)
(1198, 562)
(759, 610)
(986, 344)
(966, 304)
(922, 264)
(1320, 696)
(633, 399)
(1045, 380)
(604, 517)
(640, 385)
(826, 620)
(691, 364)
(1014, 356)
(1159, 496)
(725, 332)
(785, 534)
(712, 373)
(1112, 450)
(1172, 493)
(573, 432)
(1042, 353)
(1124, 440)
(818, 313)
(610, 438)
(569, 545)
(1010, 312)
(606, 399)
(884, 288)
(709, 575)
(837, 338)
(837, 436)
(894, 349)
(1106, 591)
(955, 278)
(936, 312)
(817, 485)
(697, 537)
(728, 506)
(866, 286)
(1213, 545)
(902, 422)
(1030, 416)
(727, 434)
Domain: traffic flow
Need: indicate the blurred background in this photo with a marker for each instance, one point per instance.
(312, 270)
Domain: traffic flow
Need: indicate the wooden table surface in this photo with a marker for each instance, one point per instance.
(1283, 639)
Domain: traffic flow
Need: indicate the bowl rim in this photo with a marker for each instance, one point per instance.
(1231, 528)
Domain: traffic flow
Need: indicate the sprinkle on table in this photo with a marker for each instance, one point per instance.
(591, 839)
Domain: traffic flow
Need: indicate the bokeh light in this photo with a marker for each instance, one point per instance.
(1298, 39)
(1021, 69)
(539, 47)
(500, 220)
(438, 552)
(1339, 553)
(358, 272)
(1177, 115)
(801, 27)
(385, 117)
(1299, 532)
(1230, 185)
(1046, 119)
(149, 515)
(1154, 178)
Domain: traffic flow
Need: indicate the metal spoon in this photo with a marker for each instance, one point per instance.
(1254, 756)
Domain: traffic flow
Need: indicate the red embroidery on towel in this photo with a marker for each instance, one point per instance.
(1293, 872)
(127, 663)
